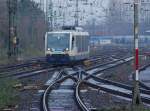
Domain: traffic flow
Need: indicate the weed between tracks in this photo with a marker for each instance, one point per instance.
(8, 95)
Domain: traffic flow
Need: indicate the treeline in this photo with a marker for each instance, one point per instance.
(31, 25)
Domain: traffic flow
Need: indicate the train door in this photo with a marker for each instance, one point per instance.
(73, 44)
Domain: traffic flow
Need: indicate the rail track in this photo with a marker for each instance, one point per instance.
(36, 61)
(79, 76)
(57, 84)
(23, 64)
(29, 67)
(126, 94)
(84, 76)
(114, 88)
(35, 67)
(27, 73)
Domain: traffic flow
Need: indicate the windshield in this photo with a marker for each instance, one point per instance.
(58, 41)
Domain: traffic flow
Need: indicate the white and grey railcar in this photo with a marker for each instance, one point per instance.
(66, 46)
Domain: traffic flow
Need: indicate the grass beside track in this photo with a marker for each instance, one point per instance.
(8, 95)
(28, 53)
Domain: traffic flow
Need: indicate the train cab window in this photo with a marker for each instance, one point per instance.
(58, 41)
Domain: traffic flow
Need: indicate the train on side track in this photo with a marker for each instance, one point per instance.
(67, 45)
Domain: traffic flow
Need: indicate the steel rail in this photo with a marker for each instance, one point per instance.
(110, 66)
(144, 86)
(100, 65)
(50, 87)
(80, 102)
(25, 74)
(116, 92)
(25, 64)
(30, 73)
(44, 98)
(118, 84)
(111, 91)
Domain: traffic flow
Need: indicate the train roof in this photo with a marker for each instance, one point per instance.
(71, 29)
(75, 32)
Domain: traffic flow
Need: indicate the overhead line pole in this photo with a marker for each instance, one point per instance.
(46, 13)
(77, 14)
(51, 15)
(136, 102)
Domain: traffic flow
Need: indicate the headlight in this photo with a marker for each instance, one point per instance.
(49, 49)
(67, 49)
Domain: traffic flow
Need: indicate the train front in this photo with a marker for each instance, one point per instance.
(57, 47)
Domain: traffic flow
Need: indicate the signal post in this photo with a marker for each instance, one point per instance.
(136, 100)
(12, 39)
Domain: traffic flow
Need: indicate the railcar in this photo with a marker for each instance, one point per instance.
(66, 46)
